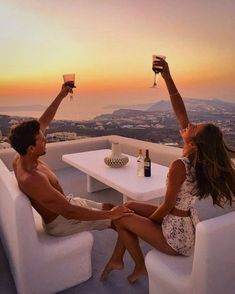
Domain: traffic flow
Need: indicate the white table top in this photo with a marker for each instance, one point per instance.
(124, 179)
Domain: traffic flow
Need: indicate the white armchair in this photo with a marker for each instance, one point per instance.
(40, 263)
(211, 270)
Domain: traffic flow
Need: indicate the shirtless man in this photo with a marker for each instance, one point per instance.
(61, 215)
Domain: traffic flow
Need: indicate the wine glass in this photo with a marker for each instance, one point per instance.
(69, 80)
(156, 69)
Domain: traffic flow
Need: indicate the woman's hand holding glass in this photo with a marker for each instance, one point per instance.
(156, 67)
(160, 65)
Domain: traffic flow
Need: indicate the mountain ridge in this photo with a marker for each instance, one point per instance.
(192, 104)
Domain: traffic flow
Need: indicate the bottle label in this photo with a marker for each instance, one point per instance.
(147, 168)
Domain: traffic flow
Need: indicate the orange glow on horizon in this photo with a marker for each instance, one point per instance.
(109, 46)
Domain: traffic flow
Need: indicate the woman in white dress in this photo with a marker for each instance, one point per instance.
(204, 169)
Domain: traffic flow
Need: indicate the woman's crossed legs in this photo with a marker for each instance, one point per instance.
(129, 229)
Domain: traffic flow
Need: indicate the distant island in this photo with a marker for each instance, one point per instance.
(196, 105)
(156, 123)
(191, 103)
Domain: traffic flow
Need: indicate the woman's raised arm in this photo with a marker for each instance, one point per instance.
(176, 99)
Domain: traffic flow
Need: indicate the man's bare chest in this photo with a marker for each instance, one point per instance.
(42, 167)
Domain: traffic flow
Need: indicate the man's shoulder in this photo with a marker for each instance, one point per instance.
(29, 178)
(33, 184)
(33, 175)
(15, 159)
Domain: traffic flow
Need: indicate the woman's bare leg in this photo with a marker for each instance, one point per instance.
(141, 208)
(129, 230)
(131, 242)
(107, 206)
(116, 260)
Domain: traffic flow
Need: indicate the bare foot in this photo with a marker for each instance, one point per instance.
(110, 266)
(137, 273)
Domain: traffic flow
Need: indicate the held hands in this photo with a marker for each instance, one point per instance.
(120, 211)
(161, 64)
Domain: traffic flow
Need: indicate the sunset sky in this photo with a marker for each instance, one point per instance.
(109, 43)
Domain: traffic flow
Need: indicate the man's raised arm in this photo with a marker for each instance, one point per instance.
(176, 99)
(50, 112)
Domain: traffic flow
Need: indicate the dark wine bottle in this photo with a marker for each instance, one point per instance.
(147, 165)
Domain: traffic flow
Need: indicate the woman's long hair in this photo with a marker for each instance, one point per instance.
(215, 171)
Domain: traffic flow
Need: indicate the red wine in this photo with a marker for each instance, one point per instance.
(147, 165)
(70, 84)
(157, 70)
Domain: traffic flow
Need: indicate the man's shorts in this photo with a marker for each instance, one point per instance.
(62, 226)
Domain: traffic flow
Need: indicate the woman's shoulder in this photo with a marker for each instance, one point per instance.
(177, 166)
(186, 162)
(181, 161)
(189, 168)
(177, 171)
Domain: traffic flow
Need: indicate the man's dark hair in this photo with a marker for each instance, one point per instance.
(24, 135)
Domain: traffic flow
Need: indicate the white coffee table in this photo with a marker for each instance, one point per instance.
(124, 180)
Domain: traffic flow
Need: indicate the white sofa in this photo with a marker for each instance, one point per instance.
(159, 153)
(211, 269)
(39, 263)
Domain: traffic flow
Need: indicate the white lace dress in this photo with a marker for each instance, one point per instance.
(178, 231)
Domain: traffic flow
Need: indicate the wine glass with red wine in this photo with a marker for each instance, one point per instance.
(69, 80)
(156, 69)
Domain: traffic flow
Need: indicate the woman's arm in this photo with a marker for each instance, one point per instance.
(176, 99)
(176, 177)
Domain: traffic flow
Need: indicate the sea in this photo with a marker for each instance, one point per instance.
(70, 110)
(67, 113)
